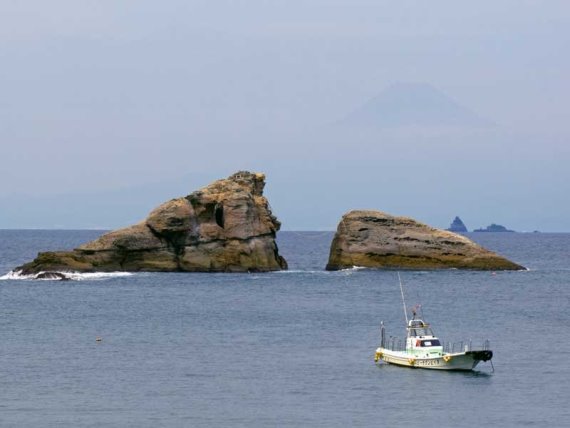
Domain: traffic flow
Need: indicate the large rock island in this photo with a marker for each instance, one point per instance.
(378, 240)
(227, 226)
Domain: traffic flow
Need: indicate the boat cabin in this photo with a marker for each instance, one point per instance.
(421, 338)
(418, 328)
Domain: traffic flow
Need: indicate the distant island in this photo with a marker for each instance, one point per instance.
(494, 228)
(457, 226)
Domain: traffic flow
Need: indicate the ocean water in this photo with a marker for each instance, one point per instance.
(281, 349)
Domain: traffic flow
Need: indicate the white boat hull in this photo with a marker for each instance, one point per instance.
(458, 361)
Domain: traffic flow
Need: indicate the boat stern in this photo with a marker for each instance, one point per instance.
(481, 355)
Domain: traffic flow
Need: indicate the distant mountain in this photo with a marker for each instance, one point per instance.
(413, 105)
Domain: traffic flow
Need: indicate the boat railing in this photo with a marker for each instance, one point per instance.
(465, 346)
(395, 344)
(399, 345)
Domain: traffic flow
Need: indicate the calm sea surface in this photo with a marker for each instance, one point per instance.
(281, 349)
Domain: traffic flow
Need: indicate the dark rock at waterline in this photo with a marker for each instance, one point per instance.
(378, 240)
(226, 226)
(52, 275)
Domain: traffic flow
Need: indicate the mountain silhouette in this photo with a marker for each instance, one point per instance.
(413, 105)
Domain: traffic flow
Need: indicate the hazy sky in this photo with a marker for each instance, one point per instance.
(100, 95)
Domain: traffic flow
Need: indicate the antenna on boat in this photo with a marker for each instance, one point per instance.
(403, 300)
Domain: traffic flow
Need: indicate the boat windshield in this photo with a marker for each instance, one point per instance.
(431, 342)
(417, 328)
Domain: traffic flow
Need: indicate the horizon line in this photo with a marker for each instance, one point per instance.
(104, 229)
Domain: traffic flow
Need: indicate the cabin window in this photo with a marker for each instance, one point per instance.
(432, 342)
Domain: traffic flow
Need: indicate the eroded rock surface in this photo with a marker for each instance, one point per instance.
(379, 240)
(227, 226)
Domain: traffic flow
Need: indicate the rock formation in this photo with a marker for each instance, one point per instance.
(378, 240)
(494, 228)
(57, 276)
(457, 226)
(224, 227)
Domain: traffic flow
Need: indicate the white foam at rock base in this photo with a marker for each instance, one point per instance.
(75, 276)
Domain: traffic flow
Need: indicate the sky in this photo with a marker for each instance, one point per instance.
(109, 107)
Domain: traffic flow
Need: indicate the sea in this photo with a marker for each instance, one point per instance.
(283, 349)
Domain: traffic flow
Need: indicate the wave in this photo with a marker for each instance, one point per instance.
(75, 276)
(291, 271)
(320, 271)
(353, 268)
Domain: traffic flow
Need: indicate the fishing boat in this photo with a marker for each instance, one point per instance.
(422, 349)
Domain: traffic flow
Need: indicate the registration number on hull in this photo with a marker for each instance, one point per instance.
(417, 363)
(428, 362)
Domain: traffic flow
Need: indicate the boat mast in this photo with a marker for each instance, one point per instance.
(403, 300)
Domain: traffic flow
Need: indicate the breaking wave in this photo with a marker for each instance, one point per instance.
(353, 268)
(292, 271)
(75, 276)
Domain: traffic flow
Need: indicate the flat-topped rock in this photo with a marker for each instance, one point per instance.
(227, 226)
(494, 228)
(376, 239)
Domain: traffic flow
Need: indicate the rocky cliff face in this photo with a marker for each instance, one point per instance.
(224, 227)
(378, 240)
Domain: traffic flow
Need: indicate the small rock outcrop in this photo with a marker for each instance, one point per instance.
(227, 226)
(494, 228)
(378, 240)
(56, 276)
(457, 226)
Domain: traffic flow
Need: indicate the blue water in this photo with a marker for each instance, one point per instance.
(281, 349)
